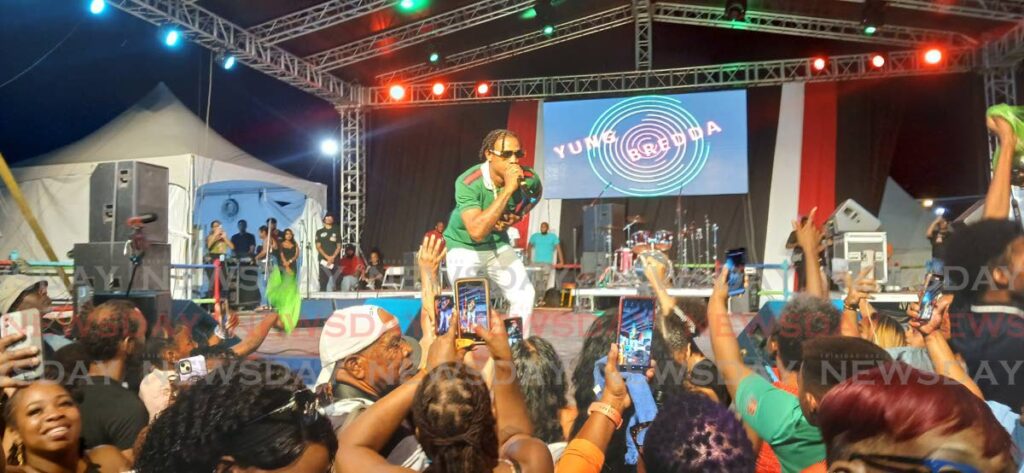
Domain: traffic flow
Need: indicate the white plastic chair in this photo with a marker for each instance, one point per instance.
(394, 278)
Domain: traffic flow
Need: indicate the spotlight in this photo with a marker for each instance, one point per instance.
(483, 88)
(940, 211)
(877, 61)
(819, 63)
(434, 57)
(329, 147)
(872, 16)
(736, 10)
(397, 92)
(406, 4)
(549, 30)
(927, 203)
(97, 6)
(227, 61)
(529, 14)
(438, 88)
(933, 56)
(170, 36)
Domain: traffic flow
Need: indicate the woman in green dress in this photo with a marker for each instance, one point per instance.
(282, 286)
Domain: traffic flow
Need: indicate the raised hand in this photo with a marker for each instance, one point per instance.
(939, 315)
(495, 337)
(615, 392)
(861, 289)
(807, 234)
(431, 254)
(513, 173)
(444, 349)
(1002, 129)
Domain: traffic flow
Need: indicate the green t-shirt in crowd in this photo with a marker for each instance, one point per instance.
(776, 416)
(473, 190)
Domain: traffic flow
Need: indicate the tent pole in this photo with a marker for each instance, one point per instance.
(30, 218)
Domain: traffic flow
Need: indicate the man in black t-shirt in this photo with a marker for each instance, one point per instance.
(328, 245)
(245, 242)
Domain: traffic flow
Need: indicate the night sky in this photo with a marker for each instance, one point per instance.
(108, 62)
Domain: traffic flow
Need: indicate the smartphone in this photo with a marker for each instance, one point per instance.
(931, 295)
(473, 297)
(636, 332)
(29, 324)
(191, 369)
(444, 305)
(514, 328)
(735, 262)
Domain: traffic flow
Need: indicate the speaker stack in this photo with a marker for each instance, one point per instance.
(602, 234)
(103, 267)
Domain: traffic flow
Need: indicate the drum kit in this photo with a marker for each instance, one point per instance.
(696, 246)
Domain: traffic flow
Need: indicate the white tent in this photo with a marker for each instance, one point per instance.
(160, 130)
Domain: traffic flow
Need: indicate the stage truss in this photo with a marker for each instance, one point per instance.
(352, 150)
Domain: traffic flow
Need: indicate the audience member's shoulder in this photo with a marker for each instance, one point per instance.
(108, 459)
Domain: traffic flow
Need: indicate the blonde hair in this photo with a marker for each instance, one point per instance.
(888, 332)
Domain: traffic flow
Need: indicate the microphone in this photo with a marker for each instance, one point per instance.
(142, 219)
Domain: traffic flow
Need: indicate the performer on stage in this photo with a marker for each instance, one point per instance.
(485, 203)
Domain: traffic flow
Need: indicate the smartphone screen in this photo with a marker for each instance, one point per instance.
(514, 328)
(735, 261)
(931, 295)
(444, 305)
(473, 303)
(636, 331)
(29, 324)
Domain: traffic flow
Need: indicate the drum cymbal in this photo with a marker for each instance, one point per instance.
(636, 219)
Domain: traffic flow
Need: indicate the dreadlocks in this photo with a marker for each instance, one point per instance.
(454, 423)
(492, 138)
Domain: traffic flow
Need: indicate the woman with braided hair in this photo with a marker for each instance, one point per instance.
(456, 424)
(248, 416)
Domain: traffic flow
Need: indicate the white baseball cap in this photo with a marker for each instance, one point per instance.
(11, 287)
(347, 332)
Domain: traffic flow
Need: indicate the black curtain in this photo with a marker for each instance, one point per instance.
(734, 214)
(415, 154)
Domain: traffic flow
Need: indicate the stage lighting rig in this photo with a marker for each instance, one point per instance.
(96, 7)
(329, 147)
(170, 36)
(872, 16)
(736, 10)
(227, 61)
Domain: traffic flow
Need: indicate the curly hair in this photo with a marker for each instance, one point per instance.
(106, 326)
(542, 379)
(453, 419)
(225, 414)
(492, 138)
(804, 317)
(695, 434)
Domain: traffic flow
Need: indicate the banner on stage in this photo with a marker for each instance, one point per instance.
(653, 145)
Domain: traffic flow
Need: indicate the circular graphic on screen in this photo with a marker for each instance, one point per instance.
(658, 146)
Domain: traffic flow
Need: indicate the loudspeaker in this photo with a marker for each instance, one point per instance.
(105, 268)
(243, 285)
(594, 262)
(125, 189)
(851, 217)
(598, 221)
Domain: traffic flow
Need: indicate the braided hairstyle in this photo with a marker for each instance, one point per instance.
(541, 377)
(226, 414)
(695, 434)
(492, 138)
(453, 419)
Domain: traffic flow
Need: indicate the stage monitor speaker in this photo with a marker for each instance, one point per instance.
(124, 189)
(598, 222)
(155, 305)
(105, 268)
(594, 262)
(851, 217)
(855, 246)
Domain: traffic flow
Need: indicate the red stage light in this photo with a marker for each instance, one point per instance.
(438, 88)
(878, 61)
(483, 88)
(397, 92)
(933, 56)
(819, 64)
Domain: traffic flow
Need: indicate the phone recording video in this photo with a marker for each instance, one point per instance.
(474, 306)
(514, 328)
(735, 262)
(636, 331)
(444, 305)
(930, 297)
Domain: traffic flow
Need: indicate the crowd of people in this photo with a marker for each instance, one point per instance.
(848, 389)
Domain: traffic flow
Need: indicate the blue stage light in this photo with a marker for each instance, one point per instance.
(97, 6)
(172, 37)
(228, 62)
(329, 147)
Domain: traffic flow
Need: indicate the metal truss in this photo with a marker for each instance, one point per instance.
(1000, 87)
(642, 44)
(998, 10)
(353, 173)
(784, 23)
(315, 18)
(218, 34)
(747, 74)
(474, 14)
(512, 47)
(1006, 50)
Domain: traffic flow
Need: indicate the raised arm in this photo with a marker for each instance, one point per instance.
(941, 354)
(655, 274)
(931, 228)
(255, 338)
(856, 297)
(430, 256)
(997, 200)
(723, 339)
(510, 409)
(809, 238)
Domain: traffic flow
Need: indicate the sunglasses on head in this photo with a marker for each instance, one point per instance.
(509, 153)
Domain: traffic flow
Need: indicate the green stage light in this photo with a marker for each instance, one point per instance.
(434, 57)
(549, 30)
(870, 30)
(413, 6)
(529, 14)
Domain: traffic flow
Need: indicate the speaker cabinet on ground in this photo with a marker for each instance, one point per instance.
(124, 189)
(602, 224)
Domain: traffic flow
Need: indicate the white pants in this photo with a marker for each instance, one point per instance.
(503, 269)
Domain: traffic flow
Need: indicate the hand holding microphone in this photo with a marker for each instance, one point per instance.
(513, 177)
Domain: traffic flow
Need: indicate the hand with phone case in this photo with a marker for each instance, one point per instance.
(636, 333)
(472, 296)
(22, 345)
